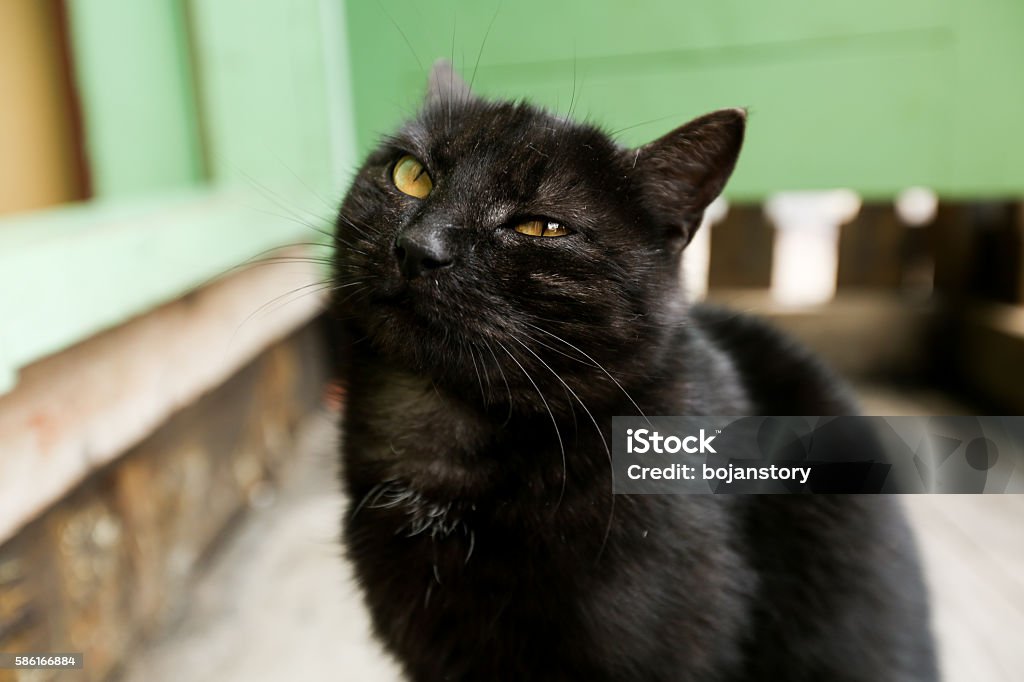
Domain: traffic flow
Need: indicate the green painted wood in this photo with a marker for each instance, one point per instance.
(276, 114)
(338, 74)
(131, 67)
(876, 95)
(266, 97)
(75, 271)
(986, 99)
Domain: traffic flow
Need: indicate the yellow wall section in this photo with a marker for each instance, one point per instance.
(38, 147)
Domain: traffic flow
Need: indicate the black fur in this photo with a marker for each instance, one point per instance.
(480, 396)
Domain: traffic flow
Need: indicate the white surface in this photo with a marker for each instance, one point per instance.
(697, 256)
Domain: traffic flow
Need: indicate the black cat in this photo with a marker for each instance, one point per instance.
(507, 281)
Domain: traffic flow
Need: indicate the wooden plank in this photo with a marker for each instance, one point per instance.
(998, 247)
(741, 250)
(871, 250)
(131, 65)
(986, 352)
(1018, 287)
(955, 249)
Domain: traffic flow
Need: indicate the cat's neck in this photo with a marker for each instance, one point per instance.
(405, 426)
(410, 428)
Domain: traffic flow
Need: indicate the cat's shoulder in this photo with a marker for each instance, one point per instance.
(781, 375)
(738, 330)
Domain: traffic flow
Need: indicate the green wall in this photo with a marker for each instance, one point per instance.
(876, 95)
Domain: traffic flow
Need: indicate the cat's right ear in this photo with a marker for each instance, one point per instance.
(679, 174)
(445, 85)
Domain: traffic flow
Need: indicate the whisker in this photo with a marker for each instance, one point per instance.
(328, 205)
(599, 366)
(284, 246)
(479, 379)
(402, 33)
(347, 222)
(561, 352)
(572, 97)
(320, 286)
(615, 133)
(571, 392)
(249, 262)
(377, 489)
(279, 201)
(271, 260)
(480, 54)
(504, 380)
(554, 422)
(296, 220)
(451, 71)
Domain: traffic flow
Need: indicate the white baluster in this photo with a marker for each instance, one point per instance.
(697, 256)
(917, 206)
(806, 252)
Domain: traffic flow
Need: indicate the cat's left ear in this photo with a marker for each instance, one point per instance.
(445, 85)
(682, 172)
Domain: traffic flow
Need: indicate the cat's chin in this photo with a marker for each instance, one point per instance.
(420, 338)
(408, 310)
(408, 338)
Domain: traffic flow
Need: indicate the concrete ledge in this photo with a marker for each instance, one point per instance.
(75, 411)
(109, 564)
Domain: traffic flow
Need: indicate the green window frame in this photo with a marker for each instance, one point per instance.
(214, 131)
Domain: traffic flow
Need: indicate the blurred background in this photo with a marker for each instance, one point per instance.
(169, 171)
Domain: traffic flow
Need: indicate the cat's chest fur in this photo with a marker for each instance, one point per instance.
(525, 572)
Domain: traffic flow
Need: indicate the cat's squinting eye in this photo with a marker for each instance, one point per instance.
(542, 228)
(410, 177)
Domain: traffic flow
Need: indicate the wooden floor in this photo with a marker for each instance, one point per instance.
(973, 549)
(278, 602)
(973, 552)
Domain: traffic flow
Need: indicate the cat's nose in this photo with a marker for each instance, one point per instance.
(422, 251)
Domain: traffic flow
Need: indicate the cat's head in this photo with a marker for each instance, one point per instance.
(507, 252)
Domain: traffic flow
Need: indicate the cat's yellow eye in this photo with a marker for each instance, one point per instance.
(542, 228)
(410, 177)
